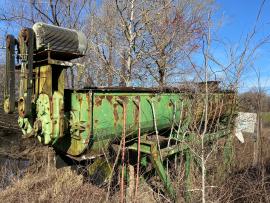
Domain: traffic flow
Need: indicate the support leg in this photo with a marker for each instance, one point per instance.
(158, 165)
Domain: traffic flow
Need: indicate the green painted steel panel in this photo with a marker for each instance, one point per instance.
(96, 118)
(108, 113)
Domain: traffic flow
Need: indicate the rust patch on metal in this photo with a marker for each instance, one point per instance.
(136, 115)
(80, 100)
(21, 107)
(136, 110)
(98, 100)
(8, 40)
(109, 98)
(51, 115)
(89, 111)
(115, 114)
(123, 98)
(62, 112)
(51, 106)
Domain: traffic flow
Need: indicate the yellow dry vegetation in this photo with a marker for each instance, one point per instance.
(60, 185)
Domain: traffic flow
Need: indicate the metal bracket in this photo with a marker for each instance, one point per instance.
(26, 42)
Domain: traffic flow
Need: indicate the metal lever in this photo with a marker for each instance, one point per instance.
(9, 87)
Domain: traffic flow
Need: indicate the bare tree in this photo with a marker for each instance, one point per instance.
(144, 42)
(173, 32)
(114, 43)
(66, 13)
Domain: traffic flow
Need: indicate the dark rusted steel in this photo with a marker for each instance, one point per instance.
(9, 86)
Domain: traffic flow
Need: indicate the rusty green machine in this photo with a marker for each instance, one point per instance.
(90, 123)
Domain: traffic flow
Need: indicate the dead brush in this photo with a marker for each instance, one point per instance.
(10, 173)
(249, 185)
(61, 185)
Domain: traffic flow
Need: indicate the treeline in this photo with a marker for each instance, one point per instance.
(254, 101)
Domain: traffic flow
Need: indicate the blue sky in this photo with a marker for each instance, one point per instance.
(238, 18)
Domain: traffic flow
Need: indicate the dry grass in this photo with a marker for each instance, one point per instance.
(61, 185)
